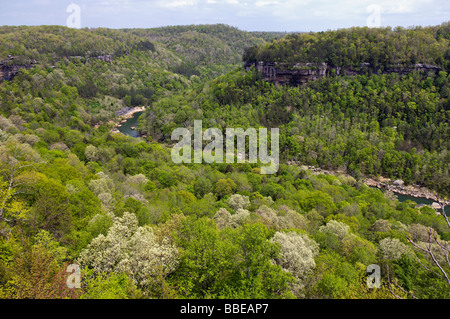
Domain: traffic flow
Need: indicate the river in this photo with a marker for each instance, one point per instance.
(133, 122)
(125, 127)
(420, 200)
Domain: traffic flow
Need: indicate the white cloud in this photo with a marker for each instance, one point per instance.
(42, 2)
(177, 3)
(265, 3)
(267, 15)
(402, 6)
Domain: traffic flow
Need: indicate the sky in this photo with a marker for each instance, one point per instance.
(248, 15)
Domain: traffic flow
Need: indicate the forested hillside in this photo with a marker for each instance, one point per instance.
(90, 74)
(381, 47)
(140, 226)
(206, 50)
(385, 125)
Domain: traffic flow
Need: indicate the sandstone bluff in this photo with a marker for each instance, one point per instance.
(302, 73)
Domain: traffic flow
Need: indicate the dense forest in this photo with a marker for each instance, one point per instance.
(72, 191)
(381, 47)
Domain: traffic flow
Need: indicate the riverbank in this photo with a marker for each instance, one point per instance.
(395, 186)
(124, 115)
(398, 187)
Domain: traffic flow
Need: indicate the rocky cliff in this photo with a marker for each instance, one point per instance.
(301, 73)
(9, 69)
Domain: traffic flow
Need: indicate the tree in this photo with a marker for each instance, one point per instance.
(393, 249)
(296, 256)
(91, 153)
(320, 201)
(223, 218)
(237, 201)
(255, 275)
(224, 186)
(337, 228)
(206, 261)
(107, 286)
(84, 205)
(38, 272)
(15, 159)
(240, 217)
(11, 210)
(435, 248)
(131, 250)
(51, 210)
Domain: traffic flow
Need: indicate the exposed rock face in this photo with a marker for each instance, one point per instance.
(8, 72)
(283, 74)
(8, 69)
(105, 58)
(301, 73)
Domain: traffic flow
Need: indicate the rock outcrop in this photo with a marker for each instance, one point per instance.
(105, 58)
(302, 73)
(9, 69)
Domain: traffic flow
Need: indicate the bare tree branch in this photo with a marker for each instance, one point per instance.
(443, 214)
(406, 292)
(426, 268)
(436, 262)
(429, 251)
(389, 285)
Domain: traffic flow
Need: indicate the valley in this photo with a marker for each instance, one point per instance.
(88, 178)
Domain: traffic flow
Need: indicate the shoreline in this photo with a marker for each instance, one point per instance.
(409, 190)
(124, 115)
(128, 112)
(387, 184)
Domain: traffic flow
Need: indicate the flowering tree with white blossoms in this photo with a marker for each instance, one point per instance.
(297, 254)
(130, 249)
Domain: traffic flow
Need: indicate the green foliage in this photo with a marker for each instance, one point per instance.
(71, 190)
(130, 249)
(224, 187)
(107, 286)
(365, 126)
(381, 47)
